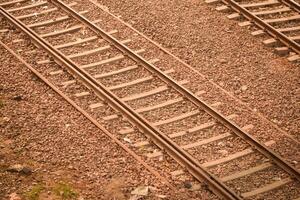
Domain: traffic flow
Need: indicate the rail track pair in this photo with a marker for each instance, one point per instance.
(279, 19)
(176, 120)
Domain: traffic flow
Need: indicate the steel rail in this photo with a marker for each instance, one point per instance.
(264, 26)
(292, 4)
(89, 117)
(186, 93)
(94, 2)
(100, 90)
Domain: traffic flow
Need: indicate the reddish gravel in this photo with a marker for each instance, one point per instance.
(240, 89)
(223, 51)
(41, 131)
(286, 147)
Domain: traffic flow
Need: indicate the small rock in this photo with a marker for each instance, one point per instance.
(277, 179)
(221, 84)
(17, 98)
(6, 119)
(188, 185)
(244, 88)
(292, 53)
(223, 152)
(220, 143)
(104, 7)
(8, 142)
(26, 170)
(14, 196)
(295, 162)
(141, 191)
(20, 169)
(70, 167)
(127, 140)
(228, 30)
(223, 61)
(15, 168)
(196, 187)
(161, 158)
(103, 174)
(161, 196)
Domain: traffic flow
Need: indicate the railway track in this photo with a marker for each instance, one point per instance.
(279, 19)
(207, 144)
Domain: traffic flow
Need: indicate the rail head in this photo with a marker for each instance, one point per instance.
(292, 4)
(238, 131)
(263, 25)
(159, 138)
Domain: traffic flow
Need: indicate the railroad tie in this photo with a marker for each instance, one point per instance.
(42, 3)
(137, 81)
(126, 131)
(260, 4)
(258, 33)
(94, 51)
(222, 8)
(211, 1)
(282, 50)
(95, 105)
(82, 94)
(122, 70)
(108, 61)
(294, 58)
(198, 128)
(231, 157)
(155, 154)
(67, 83)
(53, 73)
(234, 16)
(42, 12)
(247, 172)
(246, 23)
(270, 42)
(177, 173)
(110, 117)
(12, 2)
(52, 21)
(267, 188)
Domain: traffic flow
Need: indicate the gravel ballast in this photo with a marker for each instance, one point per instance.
(126, 191)
(222, 51)
(58, 146)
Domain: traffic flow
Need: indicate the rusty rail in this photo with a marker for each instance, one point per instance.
(292, 4)
(186, 93)
(89, 117)
(265, 26)
(159, 138)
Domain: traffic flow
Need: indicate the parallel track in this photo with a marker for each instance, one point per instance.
(260, 18)
(198, 170)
